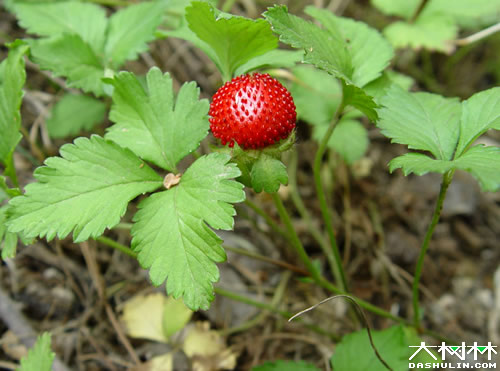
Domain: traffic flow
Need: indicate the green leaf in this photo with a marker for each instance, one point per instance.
(324, 49)
(422, 121)
(354, 352)
(130, 29)
(152, 124)
(74, 113)
(176, 10)
(268, 174)
(86, 190)
(484, 164)
(466, 13)
(356, 97)
(171, 231)
(11, 94)
(70, 56)
(52, 19)
(6, 190)
(480, 113)
(404, 9)
(378, 88)
(234, 40)
(185, 33)
(316, 94)
(432, 32)
(40, 357)
(285, 366)
(278, 58)
(349, 139)
(370, 51)
(419, 164)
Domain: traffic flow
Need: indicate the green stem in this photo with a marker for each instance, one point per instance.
(10, 170)
(272, 224)
(304, 213)
(447, 177)
(228, 5)
(327, 217)
(276, 300)
(321, 282)
(110, 2)
(258, 304)
(267, 259)
(116, 245)
(127, 226)
(294, 238)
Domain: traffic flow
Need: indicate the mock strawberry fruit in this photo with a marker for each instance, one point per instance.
(254, 111)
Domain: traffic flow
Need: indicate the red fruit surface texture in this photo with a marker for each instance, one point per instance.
(254, 110)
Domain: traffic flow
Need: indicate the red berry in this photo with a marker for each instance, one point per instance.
(253, 110)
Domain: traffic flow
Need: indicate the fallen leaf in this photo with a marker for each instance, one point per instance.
(208, 350)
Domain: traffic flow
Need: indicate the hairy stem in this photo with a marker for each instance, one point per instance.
(270, 222)
(294, 238)
(258, 304)
(447, 177)
(318, 279)
(10, 171)
(325, 212)
(116, 245)
(304, 213)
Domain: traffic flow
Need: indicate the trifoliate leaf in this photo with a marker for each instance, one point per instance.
(151, 123)
(69, 56)
(285, 366)
(130, 29)
(405, 9)
(432, 32)
(84, 191)
(40, 357)
(268, 174)
(274, 58)
(419, 164)
(171, 233)
(71, 17)
(11, 84)
(422, 121)
(484, 164)
(316, 94)
(235, 40)
(323, 48)
(370, 51)
(349, 139)
(480, 113)
(392, 344)
(356, 97)
(74, 113)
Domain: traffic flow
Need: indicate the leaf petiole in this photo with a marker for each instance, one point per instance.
(447, 178)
